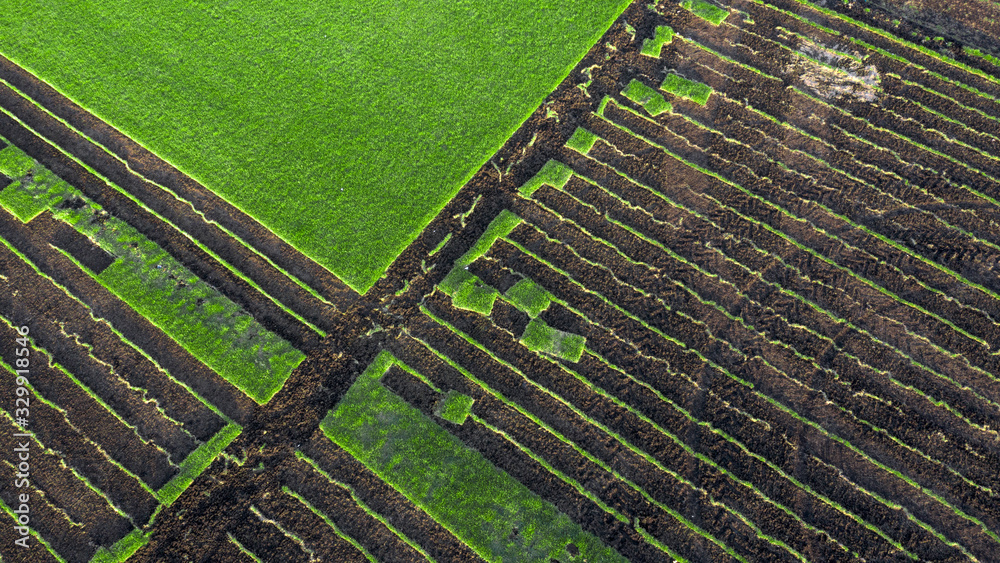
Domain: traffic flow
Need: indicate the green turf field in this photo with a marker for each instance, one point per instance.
(342, 126)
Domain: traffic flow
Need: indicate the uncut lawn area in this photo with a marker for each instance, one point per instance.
(343, 126)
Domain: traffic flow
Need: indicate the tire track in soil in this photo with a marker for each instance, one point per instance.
(940, 333)
(265, 539)
(768, 373)
(34, 553)
(128, 403)
(71, 542)
(337, 504)
(64, 489)
(299, 520)
(724, 295)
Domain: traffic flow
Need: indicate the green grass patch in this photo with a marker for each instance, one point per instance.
(706, 10)
(342, 127)
(582, 140)
(455, 407)
(680, 86)
(540, 337)
(196, 462)
(554, 174)
(122, 549)
(529, 297)
(473, 295)
(651, 100)
(14, 163)
(654, 46)
(457, 486)
(234, 345)
(23, 205)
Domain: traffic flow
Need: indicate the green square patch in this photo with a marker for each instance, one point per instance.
(582, 140)
(14, 163)
(455, 407)
(474, 295)
(529, 297)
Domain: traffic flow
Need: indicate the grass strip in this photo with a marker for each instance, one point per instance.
(196, 462)
(684, 88)
(123, 548)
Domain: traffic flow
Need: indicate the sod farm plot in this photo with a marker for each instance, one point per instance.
(728, 293)
(342, 127)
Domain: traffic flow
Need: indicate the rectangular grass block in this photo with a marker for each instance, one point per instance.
(706, 10)
(456, 485)
(684, 88)
(540, 337)
(529, 297)
(455, 407)
(651, 100)
(554, 174)
(582, 140)
(652, 47)
(235, 347)
(473, 295)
